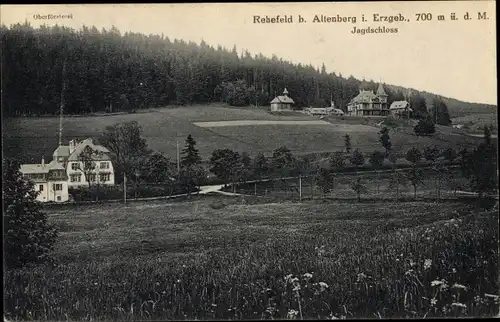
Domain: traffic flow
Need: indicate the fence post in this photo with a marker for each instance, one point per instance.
(124, 188)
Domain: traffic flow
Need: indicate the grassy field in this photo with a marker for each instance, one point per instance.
(221, 258)
(30, 138)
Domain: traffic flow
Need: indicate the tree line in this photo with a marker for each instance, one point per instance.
(107, 71)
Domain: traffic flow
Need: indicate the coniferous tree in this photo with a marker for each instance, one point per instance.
(28, 236)
(190, 155)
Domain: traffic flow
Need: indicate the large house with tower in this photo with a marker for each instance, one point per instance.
(65, 171)
(368, 103)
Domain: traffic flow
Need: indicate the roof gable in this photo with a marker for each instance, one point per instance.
(282, 99)
(101, 156)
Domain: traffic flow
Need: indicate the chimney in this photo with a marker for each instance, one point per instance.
(43, 161)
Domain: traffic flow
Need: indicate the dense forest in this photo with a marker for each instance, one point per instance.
(93, 70)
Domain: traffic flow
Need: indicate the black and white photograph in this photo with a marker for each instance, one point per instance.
(250, 161)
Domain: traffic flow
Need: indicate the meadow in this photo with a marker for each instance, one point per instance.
(30, 138)
(251, 258)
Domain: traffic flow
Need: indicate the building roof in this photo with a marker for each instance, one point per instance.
(41, 168)
(364, 97)
(397, 105)
(285, 92)
(282, 99)
(62, 151)
(380, 90)
(102, 156)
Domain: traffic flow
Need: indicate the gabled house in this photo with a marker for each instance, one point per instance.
(400, 108)
(368, 103)
(52, 180)
(102, 174)
(282, 102)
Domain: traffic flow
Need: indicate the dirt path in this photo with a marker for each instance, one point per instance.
(259, 122)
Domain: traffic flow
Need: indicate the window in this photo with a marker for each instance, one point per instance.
(76, 178)
(40, 187)
(75, 166)
(91, 177)
(57, 186)
(104, 177)
(104, 165)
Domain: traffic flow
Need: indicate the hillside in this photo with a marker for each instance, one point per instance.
(105, 70)
(30, 138)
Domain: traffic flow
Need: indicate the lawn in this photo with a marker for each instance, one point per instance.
(233, 258)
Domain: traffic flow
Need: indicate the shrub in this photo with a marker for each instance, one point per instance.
(424, 127)
(28, 237)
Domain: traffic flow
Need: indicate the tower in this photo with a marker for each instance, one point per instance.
(285, 92)
(381, 93)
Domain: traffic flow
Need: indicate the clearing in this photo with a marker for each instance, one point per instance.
(30, 138)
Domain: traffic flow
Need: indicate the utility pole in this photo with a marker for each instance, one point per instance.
(300, 188)
(63, 89)
(124, 188)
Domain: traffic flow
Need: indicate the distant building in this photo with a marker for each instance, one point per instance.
(322, 111)
(400, 108)
(368, 103)
(282, 102)
(50, 180)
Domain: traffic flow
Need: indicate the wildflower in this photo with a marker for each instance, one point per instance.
(454, 270)
(296, 287)
(433, 302)
(397, 259)
(294, 280)
(460, 305)
(323, 286)
(427, 263)
(456, 285)
(288, 277)
(178, 281)
(214, 305)
(292, 314)
(412, 263)
(308, 275)
(361, 277)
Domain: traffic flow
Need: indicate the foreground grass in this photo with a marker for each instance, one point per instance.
(225, 259)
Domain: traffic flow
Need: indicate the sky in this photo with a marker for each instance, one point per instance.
(451, 58)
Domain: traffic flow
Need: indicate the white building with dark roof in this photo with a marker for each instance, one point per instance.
(400, 108)
(368, 103)
(282, 102)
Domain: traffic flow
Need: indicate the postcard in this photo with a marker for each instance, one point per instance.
(237, 161)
